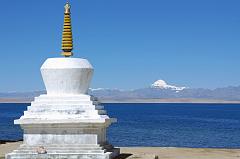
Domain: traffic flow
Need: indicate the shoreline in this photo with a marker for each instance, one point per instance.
(161, 152)
(140, 100)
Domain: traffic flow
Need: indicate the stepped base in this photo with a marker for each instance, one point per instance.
(65, 152)
(67, 127)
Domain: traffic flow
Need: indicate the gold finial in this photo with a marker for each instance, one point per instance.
(67, 42)
(67, 8)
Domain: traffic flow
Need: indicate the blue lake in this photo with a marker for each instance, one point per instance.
(171, 125)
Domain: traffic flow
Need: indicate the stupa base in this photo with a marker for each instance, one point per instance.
(64, 127)
(65, 152)
(69, 139)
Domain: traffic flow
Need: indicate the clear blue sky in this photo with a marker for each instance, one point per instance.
(131, 43)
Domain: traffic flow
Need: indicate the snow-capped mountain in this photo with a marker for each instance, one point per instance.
(157, 90)
(161, 84)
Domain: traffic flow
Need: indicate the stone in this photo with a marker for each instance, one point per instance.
(41, 150)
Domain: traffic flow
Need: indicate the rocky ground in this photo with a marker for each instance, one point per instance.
(157, 152)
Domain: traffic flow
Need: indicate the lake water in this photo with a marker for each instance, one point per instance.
(171, 125)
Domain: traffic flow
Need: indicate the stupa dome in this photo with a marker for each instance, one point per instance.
(66, 75)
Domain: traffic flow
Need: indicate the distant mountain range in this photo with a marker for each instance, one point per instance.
(159, 91)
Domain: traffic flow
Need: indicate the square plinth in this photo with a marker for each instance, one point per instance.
(64, 127)
(64, 140)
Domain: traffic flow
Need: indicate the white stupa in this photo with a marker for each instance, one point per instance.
(66, 122)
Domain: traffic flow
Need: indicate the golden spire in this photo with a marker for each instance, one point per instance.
(67, 42)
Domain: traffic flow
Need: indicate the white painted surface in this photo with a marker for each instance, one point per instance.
(63, 62)
(78, 108)
(66, 121)
(64, 76)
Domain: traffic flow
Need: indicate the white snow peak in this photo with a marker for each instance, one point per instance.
(161, 84)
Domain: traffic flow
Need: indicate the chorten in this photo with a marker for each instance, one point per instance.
(65, 122)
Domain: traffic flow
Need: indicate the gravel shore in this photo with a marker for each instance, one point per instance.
(153, 152)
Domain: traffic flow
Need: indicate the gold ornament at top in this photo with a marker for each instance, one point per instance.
(67, 8)
(67, 41)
